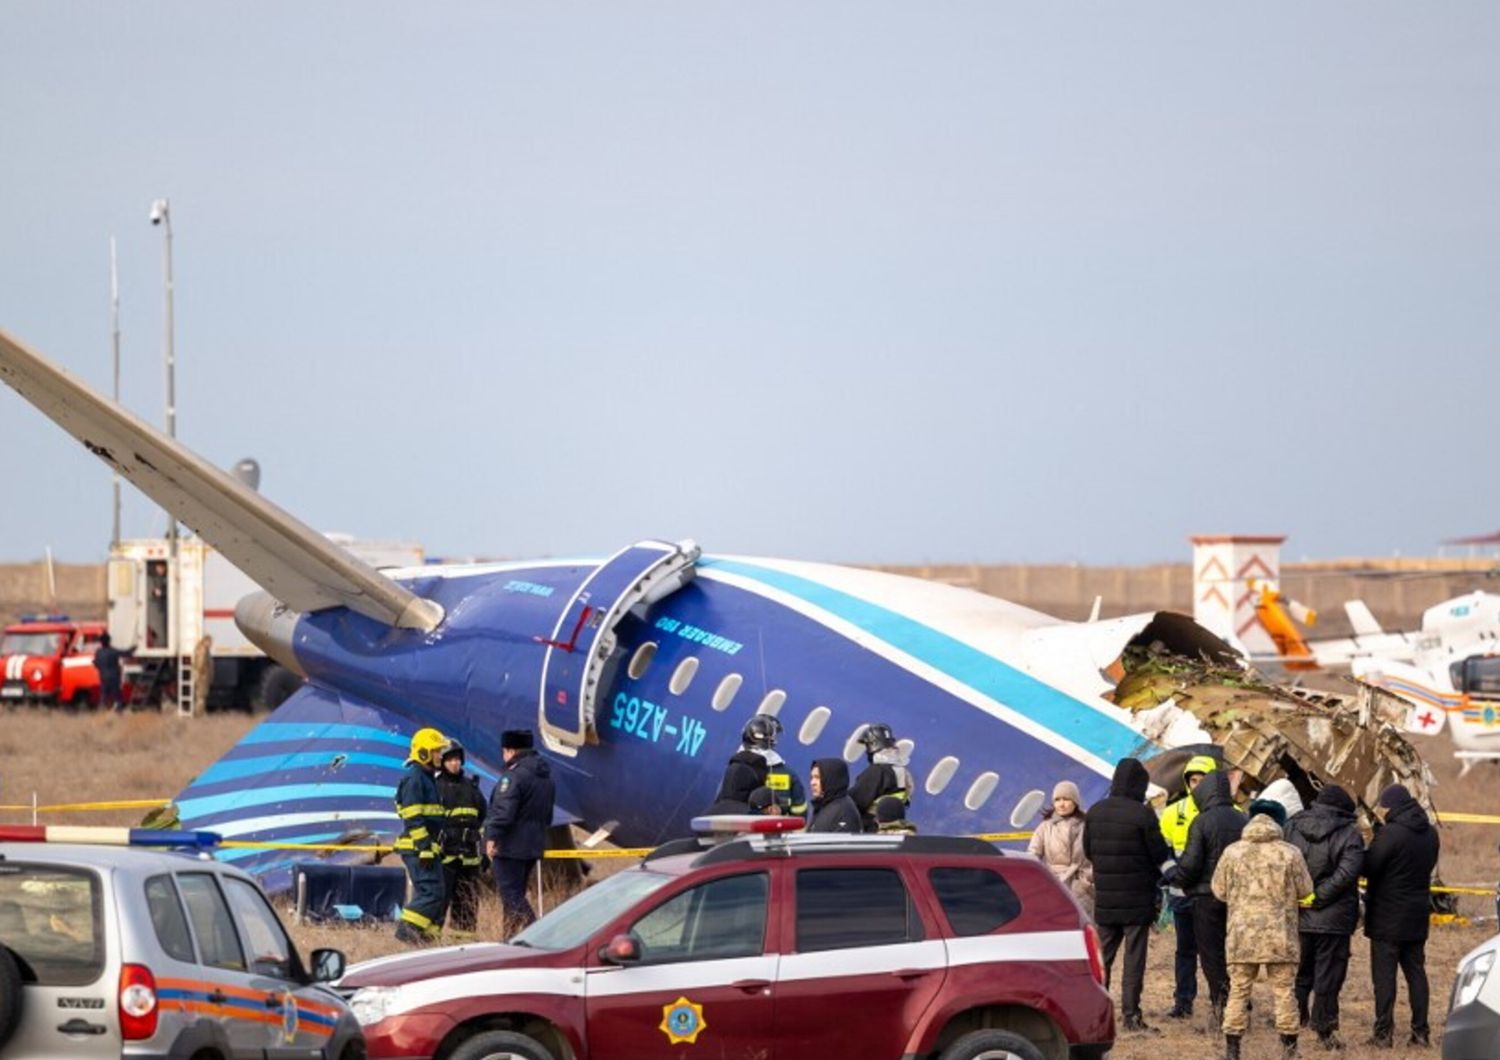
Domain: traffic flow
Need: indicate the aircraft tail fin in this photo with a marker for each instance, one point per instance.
(291, 561)
(1361, 619)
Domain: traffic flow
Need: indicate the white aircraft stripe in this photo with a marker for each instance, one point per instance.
(923, 670)
(247, 825)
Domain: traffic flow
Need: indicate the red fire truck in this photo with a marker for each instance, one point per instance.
(49, 659)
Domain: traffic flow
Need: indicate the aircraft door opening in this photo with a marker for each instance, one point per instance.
(584, 639)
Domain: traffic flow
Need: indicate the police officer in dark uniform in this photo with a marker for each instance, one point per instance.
(422, 818)
(460, 796)
(885, 775)
(515, 829)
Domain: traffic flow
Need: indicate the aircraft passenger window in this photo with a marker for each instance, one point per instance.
(683, 676)
(772, 703)
(724, 694)
(941, 774)
(641, 659)
(980, 791)
(1026, 809)
(852, 747)
(812, 727)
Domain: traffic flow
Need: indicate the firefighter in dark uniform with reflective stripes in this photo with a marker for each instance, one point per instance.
(422, 816)
(886, 776)
(463, 876)
(760, 735)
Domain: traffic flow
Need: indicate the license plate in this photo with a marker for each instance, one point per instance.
(12, 692)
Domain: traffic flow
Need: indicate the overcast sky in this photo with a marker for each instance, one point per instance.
(859, 281)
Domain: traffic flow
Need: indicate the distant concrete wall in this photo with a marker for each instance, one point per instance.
(1398, 591)
(80, 590)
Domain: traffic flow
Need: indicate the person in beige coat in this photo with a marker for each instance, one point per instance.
(1261, 878)
(1058, 841)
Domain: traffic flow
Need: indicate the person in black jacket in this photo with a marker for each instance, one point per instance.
(752, 767)
(886, 775)
(515, 829)
(1217, 825)
(460, 838)
(833, 809)
(1398, 878)
(1328, 836)
(1123, 840)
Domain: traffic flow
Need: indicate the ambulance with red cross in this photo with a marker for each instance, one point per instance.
(769, 947)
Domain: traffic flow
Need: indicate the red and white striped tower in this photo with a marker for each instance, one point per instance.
(1224, 566)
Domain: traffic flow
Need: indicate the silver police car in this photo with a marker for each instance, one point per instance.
(120, 951)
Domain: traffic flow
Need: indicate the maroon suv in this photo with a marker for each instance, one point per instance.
(773, 948)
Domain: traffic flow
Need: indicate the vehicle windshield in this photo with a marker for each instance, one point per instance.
(571, 923)
(50, 919)
(30, 644)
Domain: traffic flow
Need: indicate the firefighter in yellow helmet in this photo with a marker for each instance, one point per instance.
(1175, 820)
(422, 816)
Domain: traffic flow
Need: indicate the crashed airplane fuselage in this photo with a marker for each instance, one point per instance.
(639, 671)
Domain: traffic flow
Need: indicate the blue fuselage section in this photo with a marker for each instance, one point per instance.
(685, 675)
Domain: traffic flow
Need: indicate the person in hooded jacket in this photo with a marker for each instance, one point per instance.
(460, 838)
(1328, 836)
(833, 809)
(887, 773)
(1261, 878)
(1176, 819)
(515, 829)
(1122, 839)
(1217, 825)
(1058, 842)
(1398, 877)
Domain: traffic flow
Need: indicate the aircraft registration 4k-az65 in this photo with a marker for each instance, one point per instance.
(639, 671)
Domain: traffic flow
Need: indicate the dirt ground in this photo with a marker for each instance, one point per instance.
(67, 758)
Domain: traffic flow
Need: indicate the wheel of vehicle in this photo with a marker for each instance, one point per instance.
(10, 995)
(503, 1045)
(992, 1045)
(273, 688)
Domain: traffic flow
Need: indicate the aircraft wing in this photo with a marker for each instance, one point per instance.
(290, 560)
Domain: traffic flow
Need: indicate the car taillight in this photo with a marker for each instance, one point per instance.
(137, 1002)
(1096, 959)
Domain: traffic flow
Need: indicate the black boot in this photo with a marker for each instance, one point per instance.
(1289, 1046)
(1231, 1047)
(1331, 1041)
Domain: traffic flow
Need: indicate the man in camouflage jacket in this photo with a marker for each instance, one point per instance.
(1261, 878)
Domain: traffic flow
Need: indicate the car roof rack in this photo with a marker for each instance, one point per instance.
(750, 847)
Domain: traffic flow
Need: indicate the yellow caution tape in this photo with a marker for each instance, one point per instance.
(79, 807)
(1003, 837)
(249, 844)
(589, 855)
(1467, 818)
(1482, 892)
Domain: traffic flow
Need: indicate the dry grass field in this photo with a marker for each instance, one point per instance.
(79, 758)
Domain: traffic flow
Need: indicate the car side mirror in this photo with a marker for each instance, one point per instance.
(622, 949)
(327, 965)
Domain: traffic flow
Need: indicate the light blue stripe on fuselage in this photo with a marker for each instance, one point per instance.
(250, 798)
(1077, 722)
(238, 768)
(295, 732)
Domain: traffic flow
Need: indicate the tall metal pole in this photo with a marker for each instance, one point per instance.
(161, 214)
(114, 312)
